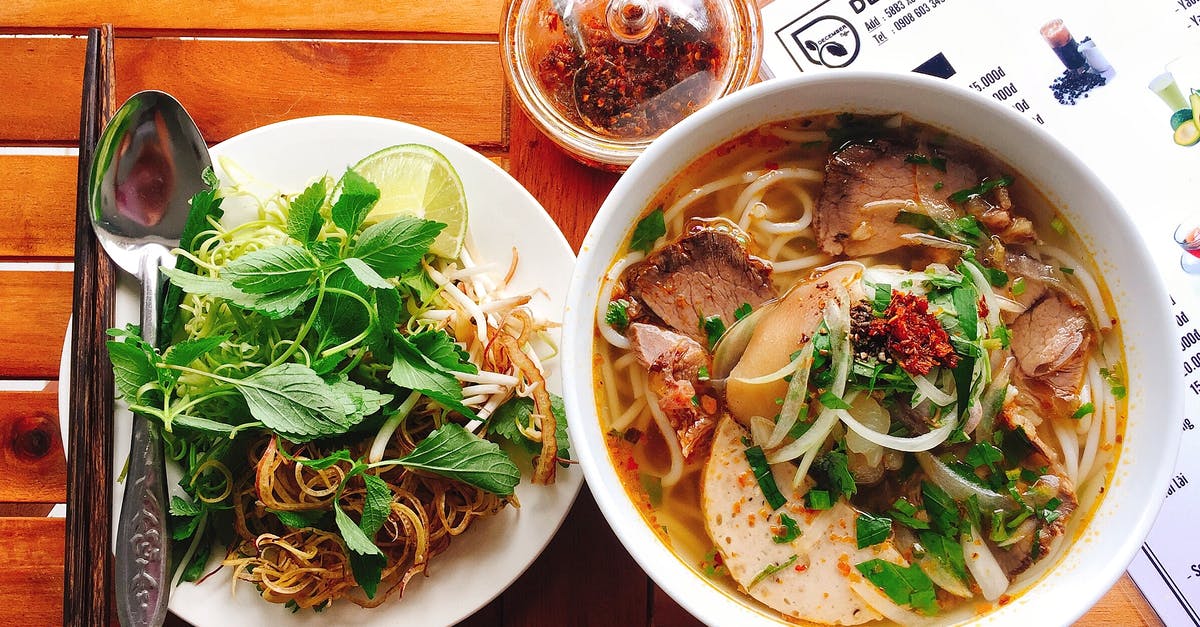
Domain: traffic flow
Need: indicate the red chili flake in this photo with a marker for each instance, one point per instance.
(983, 308)
(913, 335)
(771, 165)
(614, 87)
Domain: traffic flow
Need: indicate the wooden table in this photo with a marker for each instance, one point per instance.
(238, 65)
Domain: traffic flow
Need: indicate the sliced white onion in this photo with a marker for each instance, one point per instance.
(880, 602)
(811, 438)
(961, 489)
(793, 401)
(907, 445)
(934, 241)
(1024, 529)
(931, 391)
(983, 566)
(1007, 304)
(988, 294)
(942, 576)
(760, 429)
(772, 377)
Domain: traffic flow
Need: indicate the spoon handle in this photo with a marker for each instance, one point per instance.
(143, 549)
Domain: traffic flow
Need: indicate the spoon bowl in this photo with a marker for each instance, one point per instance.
(148, 164)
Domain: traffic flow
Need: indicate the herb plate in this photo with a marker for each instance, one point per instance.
(482, 562)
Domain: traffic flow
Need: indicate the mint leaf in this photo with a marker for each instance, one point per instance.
(517, 411)
(204, 425)
(364, 273)
(366, 560)
(328, 461)
(648, 230)
(377, 505)
(295, 402)
(357, 196)
(412, 370)
(366, 400)
(441, 351)
(419, 283)
(272, 269)
(131, 369)
(186, 352)
(275, 306)
(298, 519)
(452, 451)
(342, 317)
(183, 507)
(394, 246)
(617, 315)
(304, 213)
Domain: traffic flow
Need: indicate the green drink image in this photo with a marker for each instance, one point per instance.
(1165, 87)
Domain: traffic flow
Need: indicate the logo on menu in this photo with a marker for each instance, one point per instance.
(828, 41)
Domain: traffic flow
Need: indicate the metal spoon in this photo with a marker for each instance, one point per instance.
(147, 166)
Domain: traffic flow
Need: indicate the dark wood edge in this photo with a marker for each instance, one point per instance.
(88, 563)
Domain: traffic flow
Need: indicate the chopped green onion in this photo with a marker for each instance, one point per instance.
(742, 311)
(1058, 225)
(1018, 286)
(1084, 410)
(766, 480)
(771, 570)
(818, 499)
(791, 530)
(713, 328)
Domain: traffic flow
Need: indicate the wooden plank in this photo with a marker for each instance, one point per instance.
(31, 451)
(665, 612)
(34, 309)
(37, 193)
(1123, 605)
(40, 78)
(231, 86)
(584, 577)
(31, 571)
(461, 16)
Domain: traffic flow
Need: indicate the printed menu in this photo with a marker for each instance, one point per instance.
(1113, 81)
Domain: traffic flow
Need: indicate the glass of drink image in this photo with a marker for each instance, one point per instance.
(1164, 87)
(1187, 235)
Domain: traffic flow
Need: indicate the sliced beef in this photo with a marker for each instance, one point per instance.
(1050, 341)
(706, 273)
(1018, 557)
(854, 176)
(673, 362)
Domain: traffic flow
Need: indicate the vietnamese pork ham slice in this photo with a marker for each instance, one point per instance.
(816, 585)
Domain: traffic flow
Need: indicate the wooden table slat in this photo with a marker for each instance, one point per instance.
(461, 16)
(37, 193)
(230, 86)
(34, 309)
(31, 450)
(31, 571)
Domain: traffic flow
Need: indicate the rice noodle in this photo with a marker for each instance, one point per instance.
(799, 137)
(670, 437)
(754, 192)
(1069, 444)
(934, 241)
(622, 422)
(803, 263)
(610, 278)
(676, 209)
(1085, 280)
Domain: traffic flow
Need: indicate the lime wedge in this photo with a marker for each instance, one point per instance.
(416, 180)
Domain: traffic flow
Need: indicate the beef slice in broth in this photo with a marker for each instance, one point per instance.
(855, 176)
(706, 273)
(817, 585)
(673, 362)
(1050, 341)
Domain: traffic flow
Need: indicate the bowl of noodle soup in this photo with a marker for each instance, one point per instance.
(779, 312)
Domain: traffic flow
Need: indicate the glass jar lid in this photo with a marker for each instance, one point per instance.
(605, 77)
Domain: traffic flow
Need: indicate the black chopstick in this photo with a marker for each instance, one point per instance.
(87, 599)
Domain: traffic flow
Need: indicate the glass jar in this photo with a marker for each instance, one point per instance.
(603, 78)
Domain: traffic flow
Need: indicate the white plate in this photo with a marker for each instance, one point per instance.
(481, 563)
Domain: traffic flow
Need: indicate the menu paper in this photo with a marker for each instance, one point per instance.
(1106, 78)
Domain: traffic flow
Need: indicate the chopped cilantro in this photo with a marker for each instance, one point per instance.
(617, 315)
(713, 328)
(984, 454)
(1116, 380)
(943, 512)
(648, 230)
(883, 298)
(833, 401)
(938, 185)
(835, 468)
(904, 513)
(985, 186)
